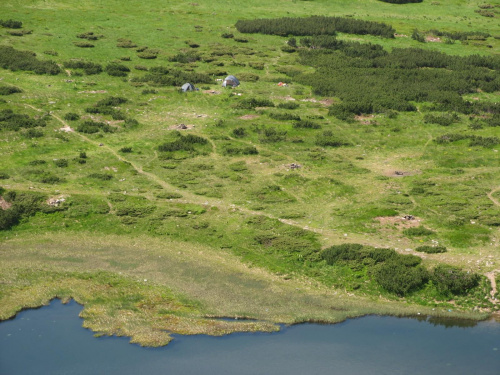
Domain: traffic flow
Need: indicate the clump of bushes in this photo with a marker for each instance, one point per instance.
(184, 58)
(431, 249)
(9, 90)
(15, 60)
(227, 35)
(61, 163)
(452, 280)
(444, 120)
(71, 116)
(84, 44)
(91, 127)
(126, 43)
(89, 35)
(251, 103)
(100, 176)
(15, 121)
(11, 24)
(125, 150)
(33, 133)
(185, 143)
(148, 54)
(233, 150)
(327, 139)
(88, 67)
(283, 116)
(306, 124)
(24, 204)
(288, 105)
(117, 70)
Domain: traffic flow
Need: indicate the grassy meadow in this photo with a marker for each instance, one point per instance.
(161, 211)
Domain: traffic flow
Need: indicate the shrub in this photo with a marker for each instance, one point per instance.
(167, 195)
(126, 43)
(284, 116)
(289, 105)
(88, 67)
(444, 120)
(84, 44)
(89, 35)
(71, 116)
(401, 1)
(101, 176)
(400, 279)
(250, 103)
(61, 163)
(239, 132)
(117, 70)
(431, 249)
(37, 162)
(15, 60)
(187, 57)
(452, 280)
(227, 35)
(33, 133)
(418, 231)
(111, 101)
(148, 54)
(11, 24)
(8, 90)
(327, 139)
(4, 176)
(185, 143)
(306, 124)
(91, 127)
(125, 149)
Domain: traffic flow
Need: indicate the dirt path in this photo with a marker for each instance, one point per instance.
(490, 195)
(491, 277)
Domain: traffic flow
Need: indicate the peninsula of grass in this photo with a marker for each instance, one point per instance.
(353, 171)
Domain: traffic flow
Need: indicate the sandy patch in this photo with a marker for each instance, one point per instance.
(364, 119)
(433, 39)
(93, 92)
(248, 117)
(400, 173)
(4, 205)
(402, 222)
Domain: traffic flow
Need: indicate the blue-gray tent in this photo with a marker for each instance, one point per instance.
(187, 87)
(230, 81)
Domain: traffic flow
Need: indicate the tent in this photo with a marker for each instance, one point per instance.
(187, 87)
(230, 81)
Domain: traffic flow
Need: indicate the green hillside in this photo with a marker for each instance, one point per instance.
(355, 169)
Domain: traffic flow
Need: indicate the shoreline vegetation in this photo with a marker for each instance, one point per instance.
(353, 172)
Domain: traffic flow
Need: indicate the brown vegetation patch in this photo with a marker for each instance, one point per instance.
(364, 119)
(433, 39)
(4, 205)
(400, 221)
(248, 117)
(93, 92)
(400, 173)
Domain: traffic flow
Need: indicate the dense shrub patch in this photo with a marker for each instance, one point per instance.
(14, 60)
(431, 249)
(452, 280)
(184, 143)
(315, 25)
(91, 127)
(88, 67)
(163, 76)
(11, 24)
(8, 90)
(117, 70)
(251, 103)
(24, 204)
(14, 121)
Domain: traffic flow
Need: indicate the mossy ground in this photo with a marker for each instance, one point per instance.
(219, 231)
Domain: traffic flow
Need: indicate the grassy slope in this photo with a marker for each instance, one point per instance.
(211, 257)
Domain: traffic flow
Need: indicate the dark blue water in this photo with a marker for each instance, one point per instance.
(50, 340)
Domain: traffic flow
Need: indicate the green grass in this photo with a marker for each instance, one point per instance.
(227, 227)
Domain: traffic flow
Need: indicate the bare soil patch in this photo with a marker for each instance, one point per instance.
(364, 119)
(400, 173)
(4, 205)
(211, 92)
(400, 221)
(248, 117)
(93, 92)
(433, 39)
(181, 127)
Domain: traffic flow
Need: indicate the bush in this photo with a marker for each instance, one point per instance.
(15, 60)
(289, 105)
(8, 90)
(117, 70)
(284, 116)
(71, 116)
(184, 58)
(306, 124)
(89, 68)
(91, 127)
(239, 132)
(400, 279)
(251, 103)
(125, 149)
(327, 139)
(418, 231)
(84, 44)
(126, 43)
(183, 143)
(61, 163)
(444, 120)
(452, 280)
(4, 176)
(11, 24)
(33, 133)
(431, 249)
(89, 35)
(315, 25)
(227, 35)
(101, 176)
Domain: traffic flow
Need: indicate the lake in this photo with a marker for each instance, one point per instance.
(51, 340)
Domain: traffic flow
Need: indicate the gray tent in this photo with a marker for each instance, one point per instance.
(230, 81)
(187, 87)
